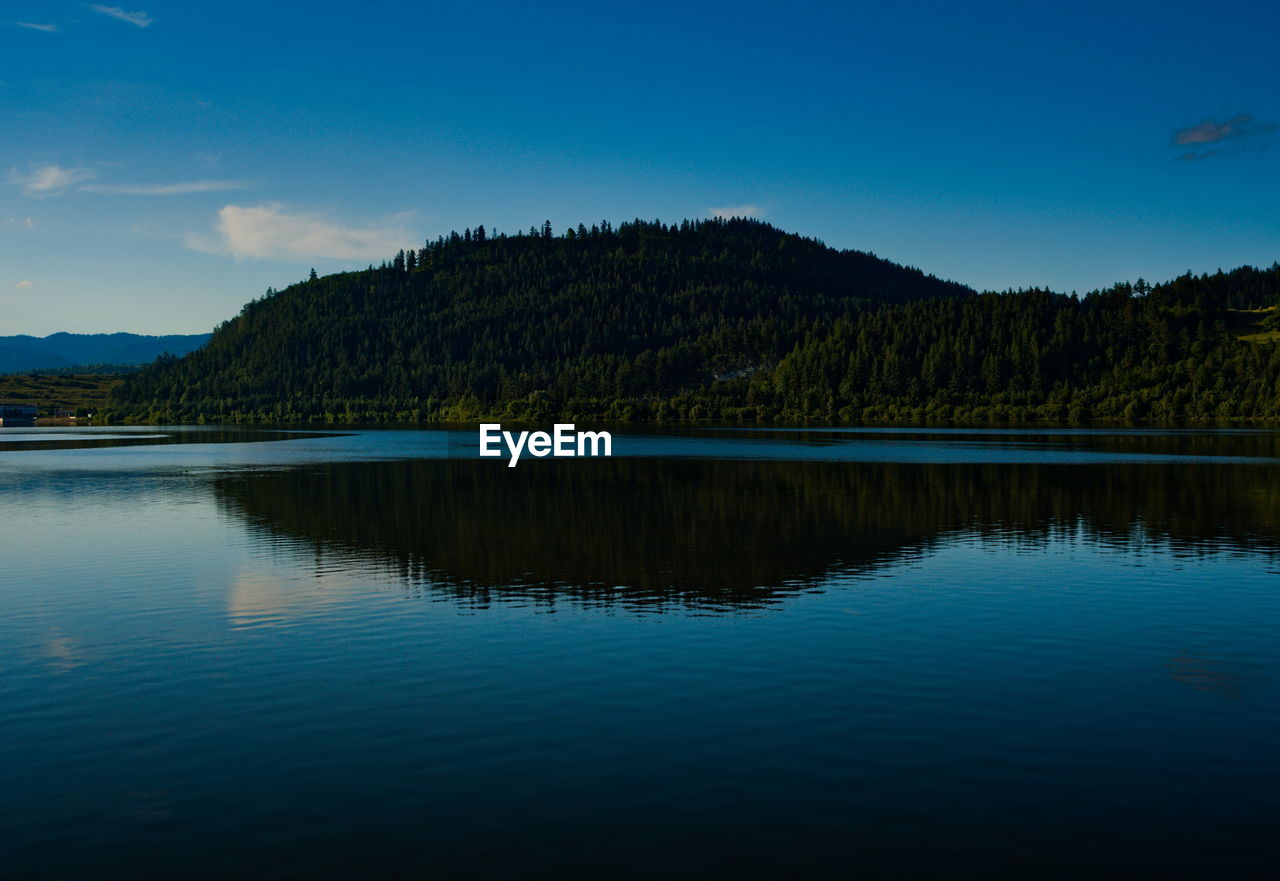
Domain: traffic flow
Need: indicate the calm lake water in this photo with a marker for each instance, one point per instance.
(721, 653)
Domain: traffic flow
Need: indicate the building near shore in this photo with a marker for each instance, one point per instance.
(17, 415)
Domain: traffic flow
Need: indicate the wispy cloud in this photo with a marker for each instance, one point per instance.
(28, 222)
(1209, 132)
(731, 211)
(25, 283)
(49, 180)
(207, 159)
(141, 19)
(269, 231)
(47, 28)
(1193, 156)
(178, 189)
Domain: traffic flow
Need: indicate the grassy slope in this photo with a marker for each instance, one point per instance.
(1254, 325)
(80, 392)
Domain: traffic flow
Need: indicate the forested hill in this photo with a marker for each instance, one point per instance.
(1199, 347)
(717, 319)
(604, 320)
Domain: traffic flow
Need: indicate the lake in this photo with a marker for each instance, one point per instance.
(915, 653)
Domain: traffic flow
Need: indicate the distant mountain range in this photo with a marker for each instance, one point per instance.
(61, 350)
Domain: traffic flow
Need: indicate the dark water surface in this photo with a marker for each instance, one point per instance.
(811, 653)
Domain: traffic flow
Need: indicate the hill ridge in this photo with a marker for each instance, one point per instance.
(730, 319)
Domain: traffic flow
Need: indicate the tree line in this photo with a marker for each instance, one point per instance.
(724, 319)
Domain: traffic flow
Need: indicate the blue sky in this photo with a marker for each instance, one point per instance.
(165, 162)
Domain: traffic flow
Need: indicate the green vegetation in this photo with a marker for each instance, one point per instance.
(82, 394)
(611, 322)
(1130, 352)
(714, 319)
(1254, 325)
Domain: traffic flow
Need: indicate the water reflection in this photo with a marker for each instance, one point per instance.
(1221, 443)
(952, 668)
(36, 439)
(259, 600)
(723, 534)
(63, 653)
(1211, 675)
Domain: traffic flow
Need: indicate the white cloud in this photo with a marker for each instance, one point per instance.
(49, 180)
(141, 19)
(28, 222)
(23, 284)
(180, 189)
(747, 210)
(47, 28)
(269, 231)
(52, 180)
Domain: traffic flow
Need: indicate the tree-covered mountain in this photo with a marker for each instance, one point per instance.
(602, 320)
(715, 319)
(23, 353)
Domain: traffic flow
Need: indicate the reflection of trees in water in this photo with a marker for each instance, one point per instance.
(719, 533)
(1229, 443)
